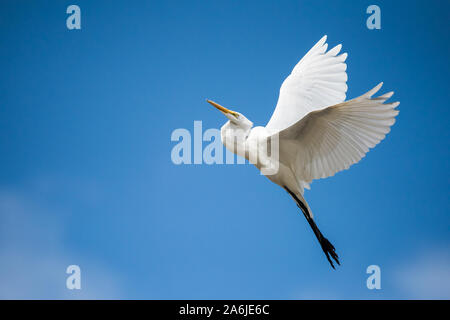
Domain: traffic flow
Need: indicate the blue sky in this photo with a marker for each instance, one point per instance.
(86, 176)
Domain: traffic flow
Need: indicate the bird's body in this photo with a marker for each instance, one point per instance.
(312, 133)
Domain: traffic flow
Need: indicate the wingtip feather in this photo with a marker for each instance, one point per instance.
(370, 93)
(334, 51)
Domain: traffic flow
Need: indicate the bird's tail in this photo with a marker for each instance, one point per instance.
(327, 247)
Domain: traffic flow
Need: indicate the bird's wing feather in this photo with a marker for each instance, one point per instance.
(330, 140)
(317, 81)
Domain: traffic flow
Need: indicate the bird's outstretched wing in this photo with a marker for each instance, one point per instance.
(317, 81)
(330, 140)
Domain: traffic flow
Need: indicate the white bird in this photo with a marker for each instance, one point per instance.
(317, 131)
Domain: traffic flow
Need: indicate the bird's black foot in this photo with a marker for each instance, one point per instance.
(327, 247)
(329, 250)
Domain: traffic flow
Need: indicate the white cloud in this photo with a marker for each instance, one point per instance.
(427, 276)
(316, 294)
(33, 258)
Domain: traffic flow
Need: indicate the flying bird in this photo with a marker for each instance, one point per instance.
(317, 132)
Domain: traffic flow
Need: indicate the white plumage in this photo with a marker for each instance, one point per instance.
(329, 140)
(317, 81)
(318, 132)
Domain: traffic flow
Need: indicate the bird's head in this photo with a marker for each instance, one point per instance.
(236, 118)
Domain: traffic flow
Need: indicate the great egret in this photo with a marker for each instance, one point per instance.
(318, 133)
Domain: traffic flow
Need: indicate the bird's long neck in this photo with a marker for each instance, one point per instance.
(234, 137)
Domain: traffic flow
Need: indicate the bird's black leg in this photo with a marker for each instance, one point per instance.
(327, 247)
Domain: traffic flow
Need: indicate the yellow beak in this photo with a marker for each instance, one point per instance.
(222, 109)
